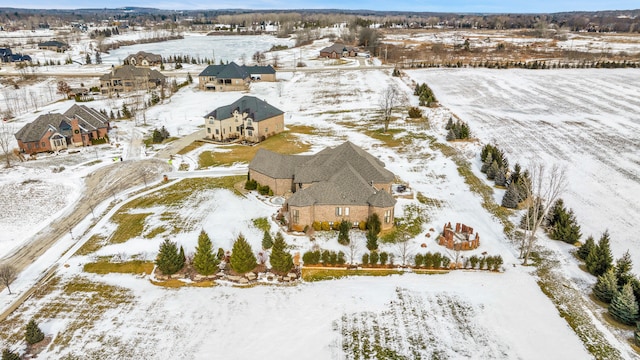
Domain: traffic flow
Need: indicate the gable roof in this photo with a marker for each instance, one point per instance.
(144, 54)
(55, 43)
(235, 71)
(337, 48)
(88, 119)
(257, 109)
(132, 72)
(275, 165)
(34, 130)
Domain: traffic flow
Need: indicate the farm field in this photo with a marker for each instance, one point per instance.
(584, 119)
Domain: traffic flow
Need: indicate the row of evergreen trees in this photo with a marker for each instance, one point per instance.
(457, 130)
(425, 94)
(616, 285)
(532, 65)
(170, 259)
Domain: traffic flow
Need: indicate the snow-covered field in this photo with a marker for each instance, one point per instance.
(459, 315)
(587, 121)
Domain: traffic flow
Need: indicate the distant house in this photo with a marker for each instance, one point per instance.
(233, 77)
(128, 78)
(142, 58)
(78, 126)
(338, 50)
(341, 183)
(248, 118)
(7, 56)
(53, 45)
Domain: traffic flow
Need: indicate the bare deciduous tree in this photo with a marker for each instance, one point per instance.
(403, 246)
(6, 137)
(354, 247)
(542, 191)
(7, 275)
(389, 99)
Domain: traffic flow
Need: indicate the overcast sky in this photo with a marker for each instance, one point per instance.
(457, 6)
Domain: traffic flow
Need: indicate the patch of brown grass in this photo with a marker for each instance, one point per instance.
(177, 283)
(129, 267)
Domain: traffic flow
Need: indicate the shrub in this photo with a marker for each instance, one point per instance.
(343, 236)
(383, 258)
(365, 259)
(311, 257)
(372, 241)
(264, 190)
(445, 262)
(9, 355)
(325, 226)
(415, 112)
(497, 262)
(33, 334)
(362, 225)
(317, 226)
(341, 260)
(326, 257)
(251, 185)
(428, 260)
(204, 262)
(267, 240)
(281, 260)
(373, 258)
(474, 261)
(418, 259)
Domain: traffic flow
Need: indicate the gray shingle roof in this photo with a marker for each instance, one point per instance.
(235, 71)
(257, 109)
(338, 48)
(34, 130)
(88, 120)
(132, 72)
(55, 43)
(144, 54)
(268, 69)
(277, 166)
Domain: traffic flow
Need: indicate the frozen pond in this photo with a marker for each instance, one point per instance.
(220, 47)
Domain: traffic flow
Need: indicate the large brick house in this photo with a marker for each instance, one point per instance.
(53, 45)
(337, 51)
(341, 183)
(233, 77)
(247, 118)
(128, 78)
(142, 58)
(78, 126)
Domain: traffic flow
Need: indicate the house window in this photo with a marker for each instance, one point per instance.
(346, 211)
(211, 121)
(387, 216)
(217, 132)
(338, 211)
(209, 130)
(296, 216)
(248, 122)
(266, 130)
(250, 133)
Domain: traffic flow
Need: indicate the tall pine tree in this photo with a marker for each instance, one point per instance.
(623, 269)
(600, 259)
(343, 234)
(169, 260)
(242, 258)
(33, 334)
(204, 261)
(511, 197)
(372, 240)
(606, 287)
(562, 224)
(624, 307)
(281, 260)
(585, 249)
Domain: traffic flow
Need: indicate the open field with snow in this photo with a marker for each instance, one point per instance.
(585, 119)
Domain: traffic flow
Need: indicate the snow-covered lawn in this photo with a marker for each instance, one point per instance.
(458, 315)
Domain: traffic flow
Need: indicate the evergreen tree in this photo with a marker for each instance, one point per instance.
(184, 258)
(33, 334)
(511, 196)
(343, 235)
(242, 258)
(204, 261)
(87, 59)
(624, 307)
(562, 224)
(500, 178)
(637, 334)
(606, 287)
(373, 223)
(450, 135)
(493, 170)
(125, 112)
(9, 355)
(365, 259)
(600, 259)
(585, 249)
(372, 240)
(488, 160)
(169, 260)
(267, 240)
(281, 260)
(623, 269)
(189, 78)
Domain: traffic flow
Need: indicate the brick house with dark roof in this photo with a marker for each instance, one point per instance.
(78, 126)
(338, 50)
(142, 58)
(341, 183)
(233, 77)
(53, 45)
(247, 118)
(128, 78)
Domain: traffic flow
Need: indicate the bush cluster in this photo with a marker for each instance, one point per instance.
(457, 130)
(415, 112)
(425, 94)
(325, 257)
